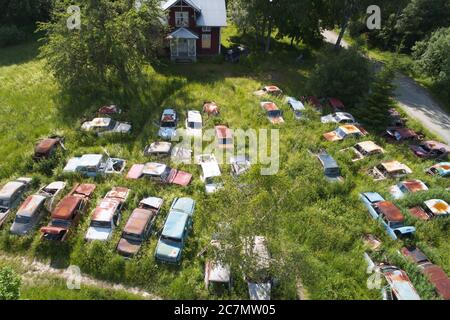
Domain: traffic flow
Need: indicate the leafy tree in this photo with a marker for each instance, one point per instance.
(114, 40)
(346, 75)
(420, 18)
(24, 12)
(9, 284)
(432, 56)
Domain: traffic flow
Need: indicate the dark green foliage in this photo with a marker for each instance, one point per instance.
(10, 35)
(9, 284)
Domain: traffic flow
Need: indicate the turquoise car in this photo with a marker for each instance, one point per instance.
(176, 229)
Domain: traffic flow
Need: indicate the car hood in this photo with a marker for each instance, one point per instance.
(167, 132)
(127, 247)
(332, 136)
(327, 119)
(396, 192)
(20, 228)
(418, 150)
(167, 251)
(95, 233)
(122, 127)
(181, 178)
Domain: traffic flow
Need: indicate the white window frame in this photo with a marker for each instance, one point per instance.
(206, 29)
(181, 18)
(208, 38)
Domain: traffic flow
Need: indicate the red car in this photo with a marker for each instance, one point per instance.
(160, 173)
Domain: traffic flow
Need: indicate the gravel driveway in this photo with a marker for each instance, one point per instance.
(414, 100)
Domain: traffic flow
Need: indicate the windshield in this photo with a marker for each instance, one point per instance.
(101, 224)
(4, 203)
(112, 125)
(170, 239)
(425, 148)
(213, 180)
(195, 125)
(396, 224)
(132, 237)
(168, 124)
(341, 133)
(165, 175)
(22, 220)
(226, 141)
(60, 223)
(274, 113)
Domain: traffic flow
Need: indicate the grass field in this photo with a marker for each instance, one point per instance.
(314, 229)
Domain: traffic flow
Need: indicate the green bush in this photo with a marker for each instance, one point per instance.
(9, 284)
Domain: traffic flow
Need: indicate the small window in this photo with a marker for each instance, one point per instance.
(182, 19)
(206, 29)
(206, 41)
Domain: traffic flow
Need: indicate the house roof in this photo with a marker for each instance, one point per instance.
(212, 13)
(182, 33)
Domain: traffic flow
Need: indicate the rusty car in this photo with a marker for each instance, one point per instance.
(274, 114)
(313, 101)
(106, 216)
(175, 232)
(68, 212)
(331, 169)
(52, 192)
(435, 275)
(336, 104)
(399, 285)
(272, 90)
(211, 175)
(108, 110)
(399, 134)
(224, 137)
(440, 169)
(211, 108)
(46, 148)
(102, 126)
(297, 107)
(344, 132)
(194, 123)
(240, 164)
(430, 209)
(11, 194)
(431, 150)
(92, 165)
(160, 173)
(363, 150)
(402, 188)
(389, 170)
(395, 119)
(386, 213)
(139, 226)
(159, 149)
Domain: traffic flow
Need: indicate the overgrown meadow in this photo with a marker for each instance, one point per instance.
(314, 228)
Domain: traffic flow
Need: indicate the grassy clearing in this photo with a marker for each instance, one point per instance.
(315, 231)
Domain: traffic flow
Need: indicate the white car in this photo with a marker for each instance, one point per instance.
(92, 165)
(210, 173)
(239, 165)
(338, 117)
(51, 192)
(297, 107)
(168, 124)
(401, 189)
(103, 126)
(194, 123)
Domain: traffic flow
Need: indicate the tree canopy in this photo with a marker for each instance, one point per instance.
(9, 284)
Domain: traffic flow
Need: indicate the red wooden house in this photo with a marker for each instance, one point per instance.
(196, 27)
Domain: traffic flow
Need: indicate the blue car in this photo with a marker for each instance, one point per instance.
(176, 229)
(387, 214)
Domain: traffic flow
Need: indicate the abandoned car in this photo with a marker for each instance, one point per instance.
(240, 164)
(389, 170)
(336, 104)
(431, 150)
(441, 169)
(338, 117)
(92, 165)
(46, 148)
(211, 108)
(194, 123)
(387, 214)
(211, 175)
(344, 132)
(272, 90)
(139, 226)
(397, 134)
(431, 209)
(29, 214)
(399, 286)
(159, 149)
(168, 124)
(109, 110)
(217, 274)
(257, 271)
(274, 114)
(224, 137)
(364, 149)
(68, 212)
(11, 194)
(175, 232)
(296, 106)
(313, 101)
(107, 214)
(409, 186)
(160, 173)
(395, 118)
(437, 277)
(331, 169)
(101, 126)
(52, 192)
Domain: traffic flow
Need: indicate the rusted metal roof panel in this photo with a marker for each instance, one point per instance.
(138, 221)
(438, 279)
(84, 190)
(66, 207)
(400, 284)
(223, 132)
(414, 255)
(390, 211)
(46, 145)
(105, 210)
(414, 185)
(438, 207)
(118, 193)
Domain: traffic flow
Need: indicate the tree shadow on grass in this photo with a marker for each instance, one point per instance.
(19, 54)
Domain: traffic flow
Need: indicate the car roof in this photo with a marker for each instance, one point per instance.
(343, 115)
(119, 193)
(175, 224)
(390, 211)
(105, 210)
(373, 196)
(45, 145)
(414, 185)
(439, 279)
(154, 168)
(350, 129)
(442, 167)
(335, 102)
(210, 169)
(29, 206)
(328, 161)
(438, 206)
(436, 145)
(87, 160)
(369, 146)
(405, 132)
(84, 190)
(401, 285)
(269, 106)
(55, 185)
(9, 189)
(101, 122)
(414, 254)
(153, 202)
(392, 166)
(185, 205)
(218, 272)
(138, 221)
(66, 207)
(296, 104)
(160, 146)
(194, 116)
(223, 132)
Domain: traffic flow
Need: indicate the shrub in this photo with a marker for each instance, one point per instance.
(9, 284)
